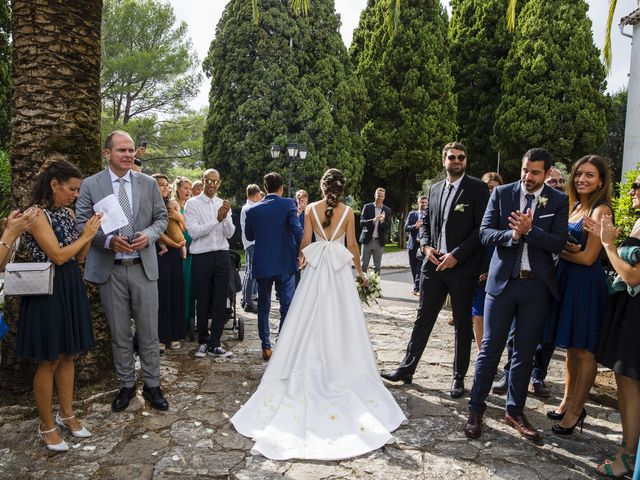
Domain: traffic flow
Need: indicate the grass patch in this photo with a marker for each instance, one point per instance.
(392, 247)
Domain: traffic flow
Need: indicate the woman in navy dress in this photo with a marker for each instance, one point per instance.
(576, 320)
(54, 328)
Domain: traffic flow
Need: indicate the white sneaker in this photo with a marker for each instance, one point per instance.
(202, 351)
(219, 352)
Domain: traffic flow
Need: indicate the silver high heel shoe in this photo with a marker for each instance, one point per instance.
(54, 447)
(82, 433)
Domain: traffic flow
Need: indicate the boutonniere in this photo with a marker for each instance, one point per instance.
(460, 207)
(542, 201)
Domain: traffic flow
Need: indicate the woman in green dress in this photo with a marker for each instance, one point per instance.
(182, 193)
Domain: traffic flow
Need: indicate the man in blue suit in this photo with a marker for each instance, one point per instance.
(527, 223)
(273, 224)
(412, 226)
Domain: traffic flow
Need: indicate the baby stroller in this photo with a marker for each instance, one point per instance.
(235, 285)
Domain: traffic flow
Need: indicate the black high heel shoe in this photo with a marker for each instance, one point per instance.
(565, 431)
(553, 415)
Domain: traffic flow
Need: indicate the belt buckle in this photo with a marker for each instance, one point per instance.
(525, 274)
(127, 262)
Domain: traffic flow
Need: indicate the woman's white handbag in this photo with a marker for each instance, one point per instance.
(29, 278)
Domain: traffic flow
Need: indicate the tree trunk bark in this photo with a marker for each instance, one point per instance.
(55, 114)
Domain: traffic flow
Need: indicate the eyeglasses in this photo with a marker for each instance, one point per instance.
(462, 157)
(635, 186)
(210, 181)
(553, 181)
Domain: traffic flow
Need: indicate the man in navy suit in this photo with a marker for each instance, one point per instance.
(375, 221)
(454, 258)
(412, 227)
(273, 224)
(527, 223)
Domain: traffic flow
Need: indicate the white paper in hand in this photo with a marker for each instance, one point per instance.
(113, 216)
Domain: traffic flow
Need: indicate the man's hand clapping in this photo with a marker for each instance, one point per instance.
(223, 210)
(520, 223)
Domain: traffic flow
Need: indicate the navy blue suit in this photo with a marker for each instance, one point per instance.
(523, 299)
(274, 225)
(413, 245)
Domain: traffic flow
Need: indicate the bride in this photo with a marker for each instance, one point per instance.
(321, 396)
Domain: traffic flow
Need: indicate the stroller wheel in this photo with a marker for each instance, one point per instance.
(240, 329)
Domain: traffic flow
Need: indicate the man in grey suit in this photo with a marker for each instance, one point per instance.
(124, 265)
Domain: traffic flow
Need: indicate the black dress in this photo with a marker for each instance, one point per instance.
(618, 345)
(59, 323)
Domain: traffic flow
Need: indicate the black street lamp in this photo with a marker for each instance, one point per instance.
(293, 150)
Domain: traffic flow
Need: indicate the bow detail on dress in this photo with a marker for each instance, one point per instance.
(336, 253)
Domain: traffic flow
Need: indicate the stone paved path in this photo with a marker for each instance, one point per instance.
(195, 439)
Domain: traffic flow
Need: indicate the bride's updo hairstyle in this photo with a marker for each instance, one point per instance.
(332, 186)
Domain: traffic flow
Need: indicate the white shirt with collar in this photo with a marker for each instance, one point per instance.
(243, 220)
(115, 184)
(443, 231)
(523, 203)
(201, 217)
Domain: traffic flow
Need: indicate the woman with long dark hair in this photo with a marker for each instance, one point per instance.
(576, 319)
(54, 328)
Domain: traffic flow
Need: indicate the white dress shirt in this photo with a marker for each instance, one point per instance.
(523, 203)
(243, 220)
(115, 184)
(201, 217)
(378, 211)
(445, 211)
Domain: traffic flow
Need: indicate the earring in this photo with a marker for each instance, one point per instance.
(600, 186)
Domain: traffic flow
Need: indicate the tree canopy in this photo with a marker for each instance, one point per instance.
(552, 86)
(411, 113)
(287, 78)
(148, 63)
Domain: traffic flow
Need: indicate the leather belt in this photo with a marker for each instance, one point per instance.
(127, 262)
(526, 274)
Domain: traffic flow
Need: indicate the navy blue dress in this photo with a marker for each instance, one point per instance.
(576, 320)
(59, 323)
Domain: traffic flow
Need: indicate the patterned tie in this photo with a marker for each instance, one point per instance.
(517, 262)
(127, 230)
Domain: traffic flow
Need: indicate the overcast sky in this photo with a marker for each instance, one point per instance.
(202, 18)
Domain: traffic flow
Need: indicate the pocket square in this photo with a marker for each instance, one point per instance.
(548, 215)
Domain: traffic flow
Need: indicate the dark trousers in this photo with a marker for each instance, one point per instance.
(415, 266)
(520, 303)
(171, 326)
(210, 273)
(285, 288)
(433, 293)
(541, 358)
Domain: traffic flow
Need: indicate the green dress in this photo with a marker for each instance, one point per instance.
(189, 296)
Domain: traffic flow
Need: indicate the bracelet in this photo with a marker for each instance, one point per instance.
(8, 247)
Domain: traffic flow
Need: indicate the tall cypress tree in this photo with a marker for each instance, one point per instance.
(5, 68)
(480, 44)
(411, 111)
(288, 77)
(553, 86)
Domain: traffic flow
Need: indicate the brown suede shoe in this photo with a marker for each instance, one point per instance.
(473, 428)
(524, 428)
(266, 353)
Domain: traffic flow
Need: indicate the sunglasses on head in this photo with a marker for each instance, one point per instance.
(460, 157)
(635, 186)
(210, 181)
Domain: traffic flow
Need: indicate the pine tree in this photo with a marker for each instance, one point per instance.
(287, 78)
(5, 68)
(480, 44)
(411, 113)
(553, 86)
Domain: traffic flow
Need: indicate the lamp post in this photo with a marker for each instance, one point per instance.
(293, 150)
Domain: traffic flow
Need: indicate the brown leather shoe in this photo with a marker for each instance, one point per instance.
(473, 428)
(524, 428)
(266, 353)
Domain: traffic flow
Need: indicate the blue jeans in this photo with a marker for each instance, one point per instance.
(285, 287)
(248, 283)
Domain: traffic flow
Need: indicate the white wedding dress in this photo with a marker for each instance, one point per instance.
(321, 396)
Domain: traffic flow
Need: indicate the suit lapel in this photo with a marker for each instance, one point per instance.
(135, 194)
(539, 209)
(515, 197)
(458, 194)
(104, 180)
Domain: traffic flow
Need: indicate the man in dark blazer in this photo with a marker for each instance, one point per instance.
(273, 224)
(527, 223)
(412, 227)
(454, 258)
(375, 221)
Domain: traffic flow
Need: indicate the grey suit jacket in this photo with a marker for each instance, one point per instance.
(150, 218)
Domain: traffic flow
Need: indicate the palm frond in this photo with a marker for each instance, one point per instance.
(606, 51)
(511, 14)
(300, 6)
(392, 15)
(255, 11)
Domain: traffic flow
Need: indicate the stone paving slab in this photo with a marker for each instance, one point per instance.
(194, 438)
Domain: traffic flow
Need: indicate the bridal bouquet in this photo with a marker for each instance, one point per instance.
(371, 290)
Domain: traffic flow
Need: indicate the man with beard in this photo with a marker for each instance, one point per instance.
(454, 258)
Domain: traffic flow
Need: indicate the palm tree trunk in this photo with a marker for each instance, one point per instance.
(55, 113)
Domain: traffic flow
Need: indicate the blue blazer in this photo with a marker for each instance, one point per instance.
(412, 230)
(274, 225)
(368, 225)
(548, 236)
